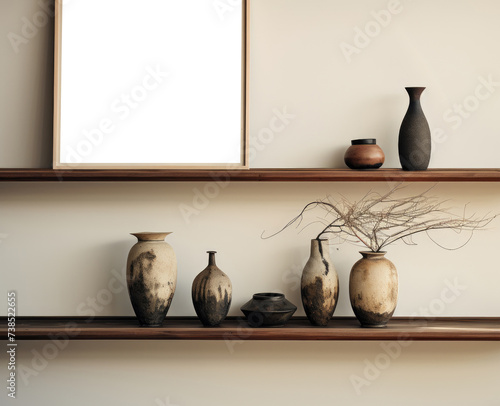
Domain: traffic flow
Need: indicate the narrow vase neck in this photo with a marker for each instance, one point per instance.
(211, 257)
(373, 255)
(149, 236)
(320, 247)
(415, 93)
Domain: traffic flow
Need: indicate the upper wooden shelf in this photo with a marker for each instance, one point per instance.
(298, 329)
(250, 175)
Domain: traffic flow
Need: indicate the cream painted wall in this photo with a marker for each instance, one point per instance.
(62, 244)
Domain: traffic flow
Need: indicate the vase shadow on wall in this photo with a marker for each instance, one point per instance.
(337, 157)
(109, 291)
(114, 280)
(291, 274)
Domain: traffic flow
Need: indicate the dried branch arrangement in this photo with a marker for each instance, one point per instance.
(378, 220)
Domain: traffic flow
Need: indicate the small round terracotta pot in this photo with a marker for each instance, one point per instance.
(364, 154)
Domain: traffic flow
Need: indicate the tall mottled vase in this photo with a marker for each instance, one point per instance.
(211, 293)
(319, 284)
(373, 289)
(414, 135)
(151, 277)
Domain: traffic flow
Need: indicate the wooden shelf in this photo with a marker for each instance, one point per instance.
(298, 329)
(250, 175)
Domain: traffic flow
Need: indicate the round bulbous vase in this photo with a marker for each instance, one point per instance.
(373, 289)
(151, 277)
(319, 284)
(364, 154)
(211, 293)
(414, 143)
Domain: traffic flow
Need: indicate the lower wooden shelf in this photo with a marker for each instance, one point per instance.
(298, 329)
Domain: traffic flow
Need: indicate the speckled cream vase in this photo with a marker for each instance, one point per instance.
(211, 293)
(151, 277)
(373, 289)
(319, 284)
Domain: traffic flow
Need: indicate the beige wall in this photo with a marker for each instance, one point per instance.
(62, 244)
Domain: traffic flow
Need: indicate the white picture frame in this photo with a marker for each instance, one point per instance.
(151, 84)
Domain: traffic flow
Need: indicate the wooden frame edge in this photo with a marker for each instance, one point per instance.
(245, 84)
(56, 132)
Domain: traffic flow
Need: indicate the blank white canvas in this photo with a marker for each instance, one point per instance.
(151, 82)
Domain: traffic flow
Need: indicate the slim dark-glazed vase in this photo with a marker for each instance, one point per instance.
(211, 293)
(414, 135)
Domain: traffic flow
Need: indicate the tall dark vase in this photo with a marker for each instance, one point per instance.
(414, 135)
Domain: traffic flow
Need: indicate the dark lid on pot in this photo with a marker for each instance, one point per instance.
(364, 141)
(268, 296)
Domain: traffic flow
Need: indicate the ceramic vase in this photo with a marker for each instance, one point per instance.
(151, 277)
(364, 154)
(415, 135)
(268, 310)
(373, 289)
(319, 284)
(211, 293)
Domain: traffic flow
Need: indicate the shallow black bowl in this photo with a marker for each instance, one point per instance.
(268, 310)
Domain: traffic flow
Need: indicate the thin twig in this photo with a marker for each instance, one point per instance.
(378, 220)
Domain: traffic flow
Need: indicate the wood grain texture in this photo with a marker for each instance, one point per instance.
(298, 329)
(249, 175)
